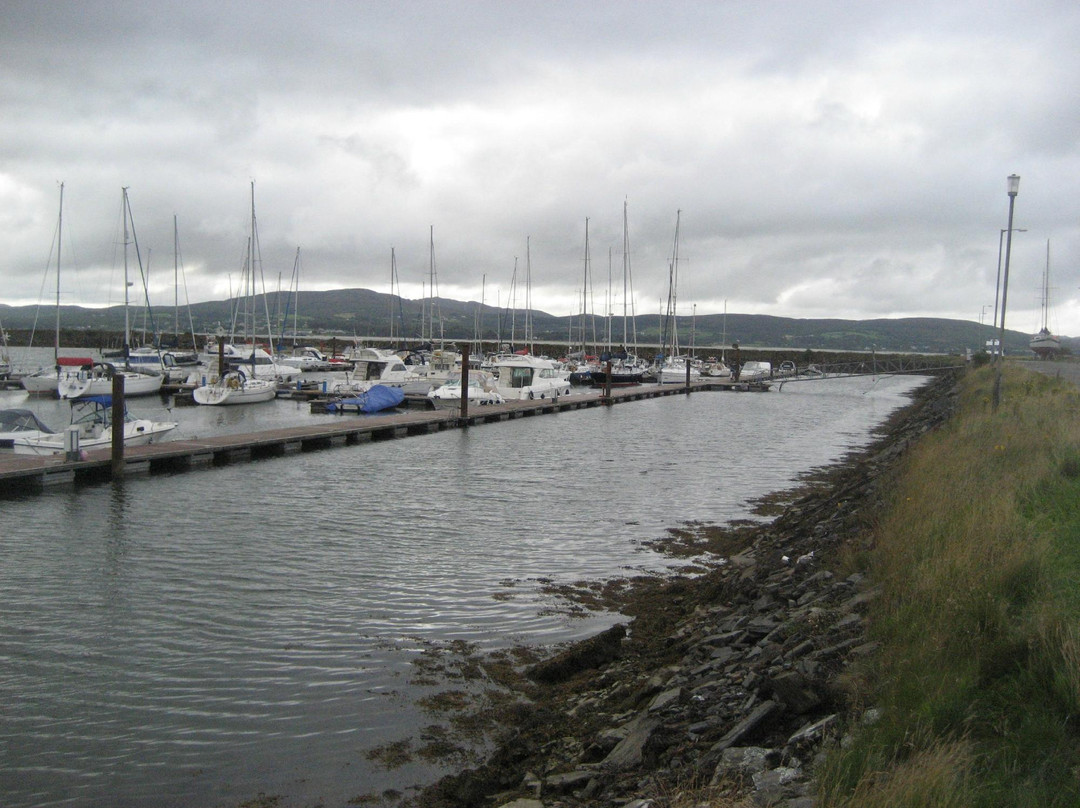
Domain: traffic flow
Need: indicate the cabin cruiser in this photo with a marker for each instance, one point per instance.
(523, 376)
(755, 371)
(482, 391)
(147, 359)
(308, 358)
(257, 363)
(373, 366)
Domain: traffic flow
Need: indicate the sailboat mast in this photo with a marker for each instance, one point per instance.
(127, 325)
(673, 285)
(528, 294)
(176, 280)
(59, 241)
(431, 284)
(393, 272)
(626, 269)
(1046, 291)
(513, 306)
(296, 299)
(584, 287)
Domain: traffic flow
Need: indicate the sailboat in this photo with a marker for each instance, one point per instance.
(46, 380)
(241, 384)
(180, 356)
(96, 378)
(626, 369)
(674, 369)
(1044, 344)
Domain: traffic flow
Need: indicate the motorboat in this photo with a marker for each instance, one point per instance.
(21, 423)
(235, 387)
(92, 415)
(482, 391)
(148, 359)
(523, 376)
(373, 366)
(755, 371)
(96, 379)
(257, 363)
(308, 359)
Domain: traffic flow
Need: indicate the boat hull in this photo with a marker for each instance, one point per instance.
(136, 433)
(243, 392)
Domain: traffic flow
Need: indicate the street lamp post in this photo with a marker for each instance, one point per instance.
(1013, 188)
(997, 283)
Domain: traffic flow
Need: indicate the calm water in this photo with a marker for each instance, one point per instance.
(198, 639)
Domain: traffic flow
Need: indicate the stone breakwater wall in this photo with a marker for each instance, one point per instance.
(726, 682)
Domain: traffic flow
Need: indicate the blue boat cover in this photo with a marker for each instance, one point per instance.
(379, 397)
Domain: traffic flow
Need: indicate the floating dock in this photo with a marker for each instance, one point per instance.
(21, 474)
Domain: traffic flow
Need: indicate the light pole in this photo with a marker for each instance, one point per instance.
(1013, 188)
(997, 284)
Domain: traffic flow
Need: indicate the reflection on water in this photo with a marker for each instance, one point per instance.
(201, 638)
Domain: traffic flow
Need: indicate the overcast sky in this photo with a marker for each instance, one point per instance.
(830, 159)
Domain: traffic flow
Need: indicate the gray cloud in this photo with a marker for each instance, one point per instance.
(829, 160)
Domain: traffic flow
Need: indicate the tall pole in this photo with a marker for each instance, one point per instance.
(997, 284)
(1013, 188)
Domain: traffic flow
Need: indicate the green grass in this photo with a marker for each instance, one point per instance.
(978, 556)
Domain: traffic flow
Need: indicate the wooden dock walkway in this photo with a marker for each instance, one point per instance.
(21, 474)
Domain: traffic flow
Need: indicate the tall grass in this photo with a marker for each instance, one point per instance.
(978, 557)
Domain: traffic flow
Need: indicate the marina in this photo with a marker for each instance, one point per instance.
(199, 638)
(23, 473)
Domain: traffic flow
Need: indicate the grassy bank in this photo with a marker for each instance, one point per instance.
(975, 694)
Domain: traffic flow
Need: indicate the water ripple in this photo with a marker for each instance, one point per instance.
(198, 639)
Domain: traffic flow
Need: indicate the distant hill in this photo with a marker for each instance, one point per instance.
(366, 313)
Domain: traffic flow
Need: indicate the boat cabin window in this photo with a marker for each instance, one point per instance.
(520, 377)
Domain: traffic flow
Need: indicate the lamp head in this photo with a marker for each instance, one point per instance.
(1013, 181)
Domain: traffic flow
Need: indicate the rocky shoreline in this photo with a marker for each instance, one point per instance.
(726, 684)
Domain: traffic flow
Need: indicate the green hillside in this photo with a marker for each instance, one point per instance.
(366, 313)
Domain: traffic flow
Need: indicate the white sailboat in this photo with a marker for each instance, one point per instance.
(674, 369)
(235, 388)
(44, 381)
(627, 369)
(242, 383)
(1046, 345)
(97, 378)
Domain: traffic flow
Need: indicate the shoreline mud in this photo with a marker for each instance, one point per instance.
(725, 682)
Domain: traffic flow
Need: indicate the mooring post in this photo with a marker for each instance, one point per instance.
(117, 421)
(221, 357)
(688, 374)
(465, 354)
(607, 384)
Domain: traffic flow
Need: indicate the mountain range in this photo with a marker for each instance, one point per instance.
(348, 313)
